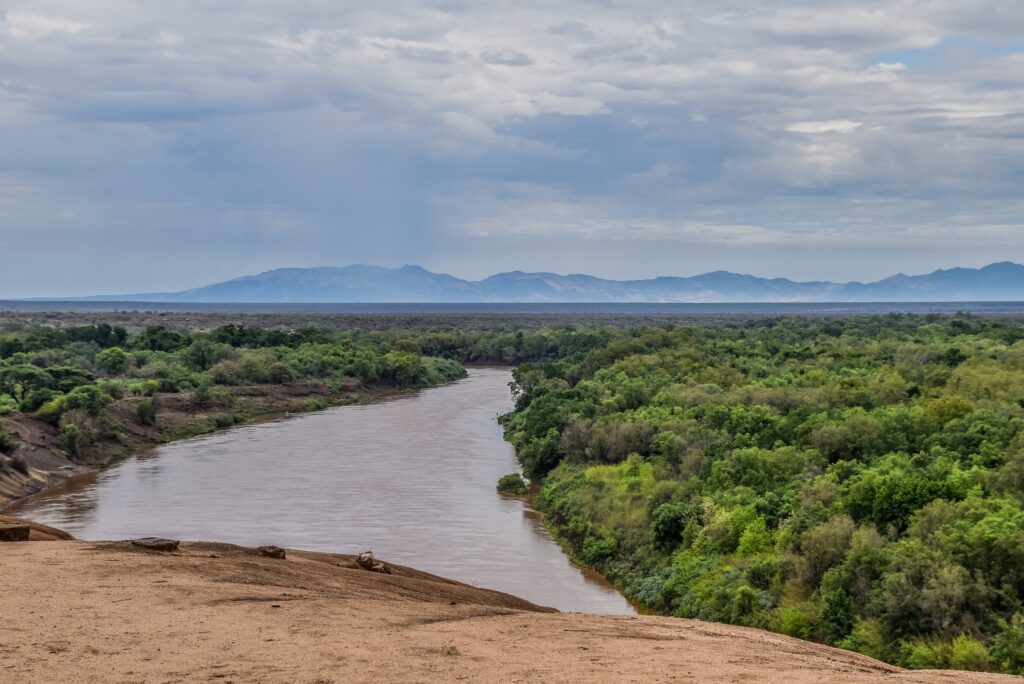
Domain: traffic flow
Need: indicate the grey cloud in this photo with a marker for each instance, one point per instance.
(371, 133)
(506, 57)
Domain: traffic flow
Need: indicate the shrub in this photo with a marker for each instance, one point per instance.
(598, 547)
(513, 483)
(669, 521)
(206, 395)
(36, 398)
(112, 361)
(69, 439)
(202, 355)
(225, 420)
(279, 373)
(226, 373)
(145, 412)
(796, 620)
(755, 538)
(7, 404)
(7, 444)
(89, 398)
(52, 410)
(837, 616)
(146, 388)
(314, 404)
(928, 654)
(761, 574)
(968, 654)
(1008, 649)
(867, 638)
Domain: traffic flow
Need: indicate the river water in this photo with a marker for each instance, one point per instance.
(411, 479)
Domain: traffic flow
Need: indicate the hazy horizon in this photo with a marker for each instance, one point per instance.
(472, 279)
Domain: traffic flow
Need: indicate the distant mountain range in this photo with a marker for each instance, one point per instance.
(412, 284)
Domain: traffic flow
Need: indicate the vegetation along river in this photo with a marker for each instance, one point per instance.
(412, 478)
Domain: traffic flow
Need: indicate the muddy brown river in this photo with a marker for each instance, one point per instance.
(412, 478)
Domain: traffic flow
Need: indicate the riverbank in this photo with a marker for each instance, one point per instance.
(110, 612)
(44, 459)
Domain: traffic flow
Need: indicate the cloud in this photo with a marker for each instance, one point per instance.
(392, 134)
(23, 25)
(840, 126)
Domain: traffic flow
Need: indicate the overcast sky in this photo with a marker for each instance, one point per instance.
(155, 145)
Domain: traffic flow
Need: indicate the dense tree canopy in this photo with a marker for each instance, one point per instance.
(859, 482)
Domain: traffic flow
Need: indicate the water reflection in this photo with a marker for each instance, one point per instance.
(412, 479)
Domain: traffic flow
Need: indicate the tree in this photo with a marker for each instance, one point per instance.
(203, 354)
(113, 360)
(19, 380)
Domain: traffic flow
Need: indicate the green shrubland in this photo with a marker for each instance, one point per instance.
(858, 482)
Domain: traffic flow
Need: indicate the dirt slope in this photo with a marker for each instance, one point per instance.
(86, 612)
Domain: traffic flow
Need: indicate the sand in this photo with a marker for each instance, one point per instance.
(75, 611)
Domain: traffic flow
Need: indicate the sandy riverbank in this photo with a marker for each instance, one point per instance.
(109, 612)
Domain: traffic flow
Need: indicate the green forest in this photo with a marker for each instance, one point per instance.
(96, 382)
(858, 482)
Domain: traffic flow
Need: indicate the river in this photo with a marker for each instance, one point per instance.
(411, 478)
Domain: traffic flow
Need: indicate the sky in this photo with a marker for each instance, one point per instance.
(158, 145)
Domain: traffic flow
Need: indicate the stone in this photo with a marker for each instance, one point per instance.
(14, 532)
(271, 551)
(366, 561)
(156, 544)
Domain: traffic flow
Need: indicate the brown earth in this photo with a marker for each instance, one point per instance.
(110, 612)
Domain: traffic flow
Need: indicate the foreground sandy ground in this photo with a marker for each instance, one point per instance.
(76, 611)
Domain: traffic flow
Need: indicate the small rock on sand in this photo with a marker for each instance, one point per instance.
(156, 544)
(367, 562)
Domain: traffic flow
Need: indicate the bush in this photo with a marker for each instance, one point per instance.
(279, 373)
(225, 420)
(314, 404)
(52, 410)
(669, 521)
(202, 355)
(69, 441)
(968, 654)
(867, 638)
(112, 361)
(206, 395)
(927, 654)
(7, 404)
(837, 616)
(1008, 649)
(226, 373)
(513, 484)
(145, 412)
(7, 444)
(89, 398)
(796, 621)
(36, 398)
(146, 388)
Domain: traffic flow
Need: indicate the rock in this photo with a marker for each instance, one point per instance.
(367, 562)
(156, 544)
(14, 532)
(271, 551)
